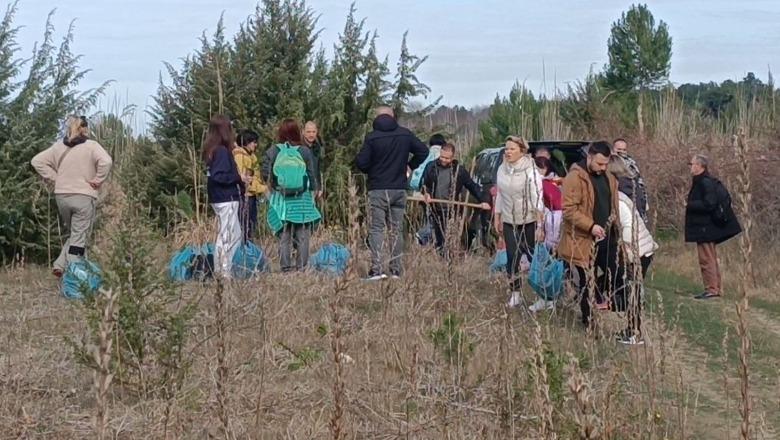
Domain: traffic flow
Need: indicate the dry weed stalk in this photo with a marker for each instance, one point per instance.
(585, 416)
(725, 350)
(222, 368)
(337, 416)
(102, 355)
(746, 248)
(542, 399)
(505, 376)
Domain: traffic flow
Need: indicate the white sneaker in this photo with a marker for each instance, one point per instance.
(379, 277)
(541, 305)
(514, 299)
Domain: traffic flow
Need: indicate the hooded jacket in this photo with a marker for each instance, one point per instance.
(72, 164)
(248, 164)
(384, 156)
(519, 197)
(634, 232)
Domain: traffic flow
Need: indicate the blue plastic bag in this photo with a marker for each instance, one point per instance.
(81, 277)
(203, 265)
(546, 274)
(415, 181)
(248, 261)
(182, 263)
(499, 262)
(332, 258)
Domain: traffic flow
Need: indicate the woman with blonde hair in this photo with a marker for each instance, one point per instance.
(76, 166)
(519, 211)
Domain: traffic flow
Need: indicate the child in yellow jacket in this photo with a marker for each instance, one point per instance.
(249, 169)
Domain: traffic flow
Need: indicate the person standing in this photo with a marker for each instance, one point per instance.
(444, 179)
(519, 210)
(225, 189)
(435, 142)
(312, 141)
(590, 232)
(292, 213)
(249, 169)
(384, 157)
(633, 185)
(77, 167)
(553, 202)
(638, 250)
(709, 221)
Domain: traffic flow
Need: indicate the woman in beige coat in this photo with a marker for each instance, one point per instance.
(519, 209)
(76, 166)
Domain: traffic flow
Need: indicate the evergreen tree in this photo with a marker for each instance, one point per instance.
(31, 109)
(516, 114)
(640, 55)
(407, 86)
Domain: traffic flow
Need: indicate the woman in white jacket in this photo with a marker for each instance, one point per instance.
(519, 209)
(638, 250)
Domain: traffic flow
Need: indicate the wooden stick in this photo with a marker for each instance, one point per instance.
(446, 202)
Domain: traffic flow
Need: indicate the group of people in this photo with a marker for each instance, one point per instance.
(289, 178)
(594, 219)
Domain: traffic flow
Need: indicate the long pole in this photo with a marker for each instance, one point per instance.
(445, 202)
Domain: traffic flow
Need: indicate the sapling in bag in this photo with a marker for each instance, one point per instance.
(546, 274)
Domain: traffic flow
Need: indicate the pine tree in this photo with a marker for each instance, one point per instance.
(407, 86)
(640, 55)
(31, 109)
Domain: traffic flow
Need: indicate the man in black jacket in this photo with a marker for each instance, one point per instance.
(444, 179)
(384, 157)
(709, 221)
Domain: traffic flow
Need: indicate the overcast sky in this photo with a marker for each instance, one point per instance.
(476, 48)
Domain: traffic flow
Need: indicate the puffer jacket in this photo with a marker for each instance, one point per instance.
(639, 243)
(519, 197)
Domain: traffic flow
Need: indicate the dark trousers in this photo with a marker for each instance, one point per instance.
(634, 299)
(439, 217)
(247, 212)
(606, 272)
(520, 240)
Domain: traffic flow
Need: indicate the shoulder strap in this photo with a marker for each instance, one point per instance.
(64, 155)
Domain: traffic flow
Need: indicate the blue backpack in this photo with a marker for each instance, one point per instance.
(80, 278)
(248, 261)
(332, 259)
(546, 274)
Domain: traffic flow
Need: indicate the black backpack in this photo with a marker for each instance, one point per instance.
(723, 210)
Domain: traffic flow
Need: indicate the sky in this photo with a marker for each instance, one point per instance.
(476, 48)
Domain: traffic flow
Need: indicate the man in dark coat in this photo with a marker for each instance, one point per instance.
(389, 154)
(444, 179)
(709, 221)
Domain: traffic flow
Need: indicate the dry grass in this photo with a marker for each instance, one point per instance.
(315, 357)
